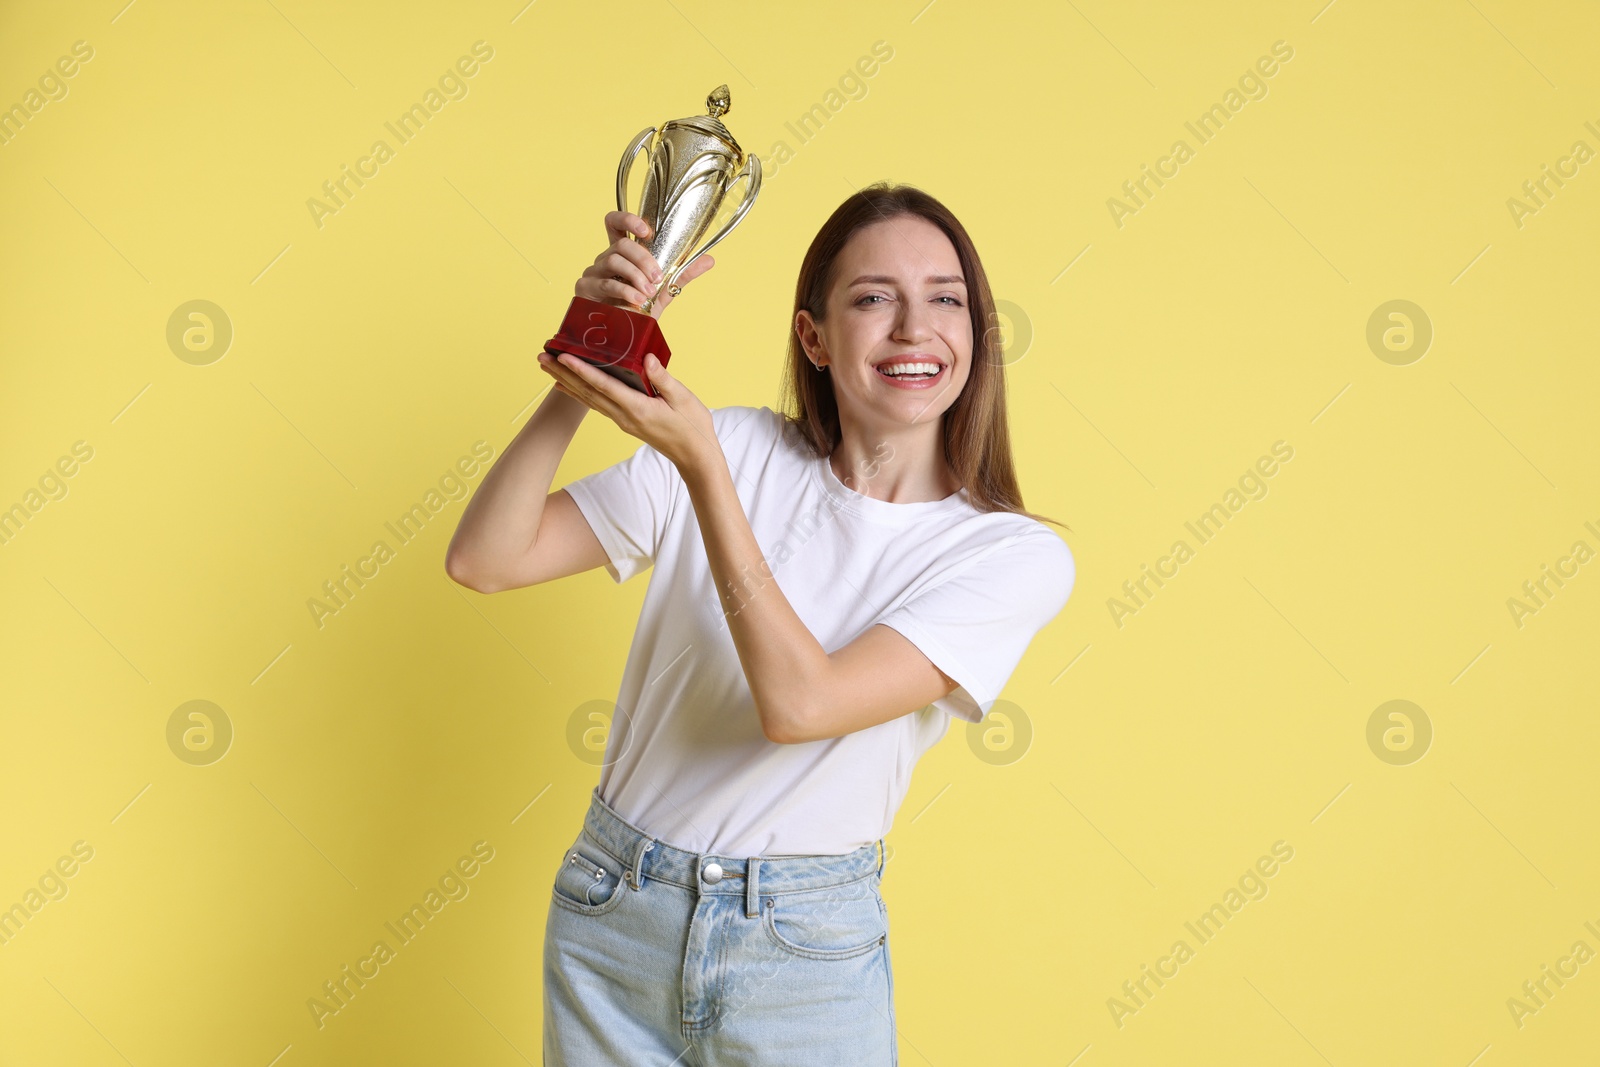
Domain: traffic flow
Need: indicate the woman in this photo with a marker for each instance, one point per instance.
(829, 590)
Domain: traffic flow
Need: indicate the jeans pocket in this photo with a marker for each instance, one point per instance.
(589, 879)
(833, 924)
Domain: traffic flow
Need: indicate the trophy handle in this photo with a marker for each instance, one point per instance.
(629, 156)
(751, 176)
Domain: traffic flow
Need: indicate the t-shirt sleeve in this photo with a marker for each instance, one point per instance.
(631, 504)
(976, 624)
(628, 505)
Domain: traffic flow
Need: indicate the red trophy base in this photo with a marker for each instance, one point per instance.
(613, 338)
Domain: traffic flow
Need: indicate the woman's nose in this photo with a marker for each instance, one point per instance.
(912, 323)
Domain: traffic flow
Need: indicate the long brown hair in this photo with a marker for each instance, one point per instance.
(977, 439)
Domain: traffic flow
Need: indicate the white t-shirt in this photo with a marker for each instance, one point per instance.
(686, 760)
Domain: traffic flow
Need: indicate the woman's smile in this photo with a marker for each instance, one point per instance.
(912, 373)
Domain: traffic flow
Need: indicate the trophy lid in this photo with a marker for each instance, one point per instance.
(718, 103)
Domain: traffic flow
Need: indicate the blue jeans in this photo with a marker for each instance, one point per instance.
(658, 956)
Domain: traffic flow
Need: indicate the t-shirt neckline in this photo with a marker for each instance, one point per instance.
(883, 511)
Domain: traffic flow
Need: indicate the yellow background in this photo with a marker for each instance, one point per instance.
(1025, 887)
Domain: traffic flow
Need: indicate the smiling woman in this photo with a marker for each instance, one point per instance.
(730, 867)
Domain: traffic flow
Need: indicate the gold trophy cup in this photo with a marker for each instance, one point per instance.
(693, 164)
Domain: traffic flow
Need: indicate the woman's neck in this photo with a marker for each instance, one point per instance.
(906, 466)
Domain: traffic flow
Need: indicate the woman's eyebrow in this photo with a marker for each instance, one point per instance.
(934, 279)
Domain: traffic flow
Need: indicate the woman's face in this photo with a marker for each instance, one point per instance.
(898, 300)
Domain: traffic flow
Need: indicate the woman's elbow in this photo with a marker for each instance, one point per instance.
(782, 726)
(458, 571)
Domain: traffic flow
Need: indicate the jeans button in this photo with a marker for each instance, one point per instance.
(712, 872)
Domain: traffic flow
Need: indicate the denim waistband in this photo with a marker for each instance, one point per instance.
(650, 857)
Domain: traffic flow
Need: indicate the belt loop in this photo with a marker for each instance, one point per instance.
(881, 855)
(752, 891)
(638, 862)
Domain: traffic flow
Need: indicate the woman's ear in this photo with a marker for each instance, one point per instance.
(805, 329)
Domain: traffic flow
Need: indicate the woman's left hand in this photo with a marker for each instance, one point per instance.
(675, 423)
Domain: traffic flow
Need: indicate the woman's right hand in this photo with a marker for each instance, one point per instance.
(626, 274)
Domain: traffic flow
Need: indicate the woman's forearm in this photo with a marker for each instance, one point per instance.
(779, 654)
(501, 520)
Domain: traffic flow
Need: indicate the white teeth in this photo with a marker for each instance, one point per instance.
(899, 369)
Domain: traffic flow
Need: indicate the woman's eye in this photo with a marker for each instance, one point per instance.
(952, 301)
